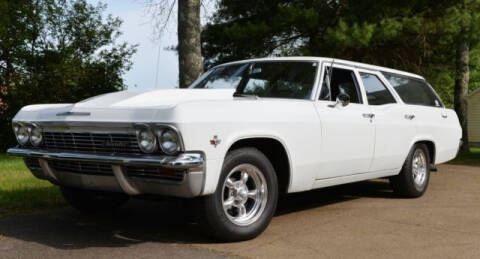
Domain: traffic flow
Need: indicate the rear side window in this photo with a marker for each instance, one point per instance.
(413, 91)
(377, 92)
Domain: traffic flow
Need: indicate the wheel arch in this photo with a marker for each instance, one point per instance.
(275, 150)
(431, 148)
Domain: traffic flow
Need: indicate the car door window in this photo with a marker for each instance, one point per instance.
(343, 81)
(413, 91)
(377, 92)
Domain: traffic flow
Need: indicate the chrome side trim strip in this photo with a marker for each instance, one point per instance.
(187, 160)
(73, 114)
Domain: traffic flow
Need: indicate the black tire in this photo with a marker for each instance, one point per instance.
(215, 220)
(93, 201)
(404, 183)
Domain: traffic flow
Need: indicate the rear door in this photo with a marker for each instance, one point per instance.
(394, 126)
(347, 131)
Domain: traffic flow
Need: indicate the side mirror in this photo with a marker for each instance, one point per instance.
(343, 99)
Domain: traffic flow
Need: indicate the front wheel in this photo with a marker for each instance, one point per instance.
(415, 175)
(246, 197)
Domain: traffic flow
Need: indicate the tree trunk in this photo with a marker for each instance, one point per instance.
(189, 50)
(461, 88)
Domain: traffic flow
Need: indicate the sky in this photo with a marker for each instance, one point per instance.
(137, 29)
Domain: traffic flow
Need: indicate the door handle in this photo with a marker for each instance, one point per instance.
(368, 115)
(444, 115)
(409, 116)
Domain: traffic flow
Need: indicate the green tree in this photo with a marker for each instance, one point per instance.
(398, 34)
(464, 24)
(56, 51)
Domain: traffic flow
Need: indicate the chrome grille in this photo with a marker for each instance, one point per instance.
(154, 172)
(98, 143)
(81, 167)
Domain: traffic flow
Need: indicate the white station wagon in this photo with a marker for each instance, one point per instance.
(242, 134)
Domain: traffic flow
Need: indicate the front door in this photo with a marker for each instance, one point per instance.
(347, 131)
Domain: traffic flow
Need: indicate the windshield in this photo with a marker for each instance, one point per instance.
(277, 79)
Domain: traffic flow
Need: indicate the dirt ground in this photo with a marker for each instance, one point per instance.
(361, 220)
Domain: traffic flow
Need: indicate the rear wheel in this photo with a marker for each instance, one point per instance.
(246, 197)
(415, 175)
(93, 201)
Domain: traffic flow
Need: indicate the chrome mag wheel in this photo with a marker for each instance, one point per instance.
(419, 168)
(245, 194)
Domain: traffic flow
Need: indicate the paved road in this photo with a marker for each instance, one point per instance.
(362, 220)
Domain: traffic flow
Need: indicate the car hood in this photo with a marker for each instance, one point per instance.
(154, 98)
(124, 106)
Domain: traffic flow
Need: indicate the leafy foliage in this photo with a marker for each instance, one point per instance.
(56, 51)
(412, 35)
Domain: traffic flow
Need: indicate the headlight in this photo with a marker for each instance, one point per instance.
(36, 137)
(169, 142)
(147, 140)
(22, 134)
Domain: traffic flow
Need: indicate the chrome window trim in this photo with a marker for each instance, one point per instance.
(380, 78)
(339, 65)
(422, 80)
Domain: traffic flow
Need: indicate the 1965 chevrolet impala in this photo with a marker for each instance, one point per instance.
(242, 134)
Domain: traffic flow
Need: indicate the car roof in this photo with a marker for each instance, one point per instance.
(336, 61)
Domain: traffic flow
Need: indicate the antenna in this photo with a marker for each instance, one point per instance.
(158, 65)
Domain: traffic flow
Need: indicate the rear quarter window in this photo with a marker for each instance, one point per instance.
(413, 91)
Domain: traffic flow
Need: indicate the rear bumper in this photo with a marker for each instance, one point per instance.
(191, 163)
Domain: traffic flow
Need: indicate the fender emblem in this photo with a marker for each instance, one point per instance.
(215, 141)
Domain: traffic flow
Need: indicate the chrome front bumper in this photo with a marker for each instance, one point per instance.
(192, 162)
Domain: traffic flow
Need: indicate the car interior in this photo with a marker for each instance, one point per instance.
(342, 81)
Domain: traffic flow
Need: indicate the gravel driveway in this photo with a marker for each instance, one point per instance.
(362, 220)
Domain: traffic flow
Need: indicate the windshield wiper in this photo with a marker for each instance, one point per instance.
(237, 94)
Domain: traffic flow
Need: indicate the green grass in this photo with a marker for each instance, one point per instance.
(21, 192)
(472, 158)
